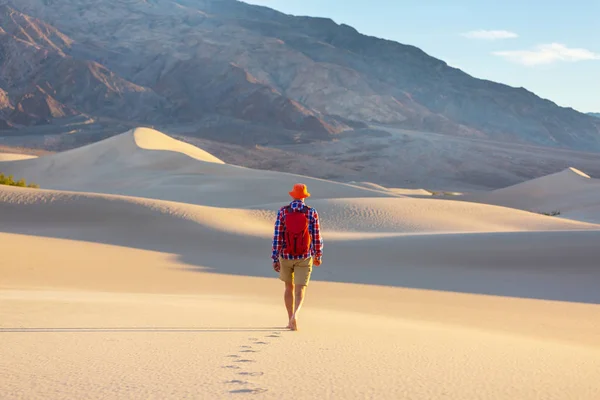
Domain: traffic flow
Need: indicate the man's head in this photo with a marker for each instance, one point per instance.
(299, 192)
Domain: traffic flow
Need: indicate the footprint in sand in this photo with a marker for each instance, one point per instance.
(244, 361)
(249, 391)
(237, 382)
(233, 356)
(231, 366)
(246, 347)
(249, 351)
(251, 373)
(272, 336)
(261, 342)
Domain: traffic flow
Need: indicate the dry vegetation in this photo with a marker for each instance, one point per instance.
(9, 180)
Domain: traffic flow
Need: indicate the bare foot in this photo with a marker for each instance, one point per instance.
(294, 324)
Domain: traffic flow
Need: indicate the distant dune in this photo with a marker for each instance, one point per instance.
(14, 157)
(571, 193)
(146, 163)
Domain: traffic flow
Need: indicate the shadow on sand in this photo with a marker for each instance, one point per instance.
(139, 329)
(560, 266)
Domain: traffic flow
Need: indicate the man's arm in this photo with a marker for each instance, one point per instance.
(278, 237)
(317, 239)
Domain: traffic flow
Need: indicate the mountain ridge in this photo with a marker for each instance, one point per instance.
(310, 77)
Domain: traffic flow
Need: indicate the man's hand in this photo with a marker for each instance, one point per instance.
(276, 266)
(317, 262)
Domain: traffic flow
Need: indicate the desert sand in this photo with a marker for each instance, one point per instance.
(14, 157)
(570, 193)
(141, 270)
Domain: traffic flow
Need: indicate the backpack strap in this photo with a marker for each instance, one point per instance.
(305, 210)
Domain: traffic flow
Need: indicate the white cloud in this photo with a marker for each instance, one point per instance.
(490, 35)
(548, 54)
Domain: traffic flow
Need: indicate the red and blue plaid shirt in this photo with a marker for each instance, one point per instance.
(316, 247)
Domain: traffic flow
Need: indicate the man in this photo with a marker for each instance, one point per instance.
(297, 246)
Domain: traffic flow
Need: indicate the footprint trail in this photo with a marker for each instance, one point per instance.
(247, 351)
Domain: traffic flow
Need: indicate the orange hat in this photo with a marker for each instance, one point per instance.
(300, 191)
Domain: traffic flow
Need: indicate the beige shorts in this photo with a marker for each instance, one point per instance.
(296, 271)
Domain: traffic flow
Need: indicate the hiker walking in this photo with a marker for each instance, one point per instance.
(297, 246)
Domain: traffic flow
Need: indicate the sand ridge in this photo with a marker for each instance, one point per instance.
(150, 139)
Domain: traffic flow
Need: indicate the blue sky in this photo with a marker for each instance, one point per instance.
(550, 47)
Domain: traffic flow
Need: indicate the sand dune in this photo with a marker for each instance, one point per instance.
(568, 192)
(146, 163)
(192, 295)
(143, 271)
(407, 215)
(341, 218)
(368, 240)
(150, 139)
(14, 157)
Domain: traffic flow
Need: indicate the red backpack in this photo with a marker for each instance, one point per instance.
(297, 235)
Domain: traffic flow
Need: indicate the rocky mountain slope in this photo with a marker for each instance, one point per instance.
(223, 67)
(40, 82)
(597, 115)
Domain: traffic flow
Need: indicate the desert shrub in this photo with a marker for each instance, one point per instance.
(552, 213)
(10, 181)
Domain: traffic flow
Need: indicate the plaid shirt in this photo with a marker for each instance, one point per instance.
(316, 248)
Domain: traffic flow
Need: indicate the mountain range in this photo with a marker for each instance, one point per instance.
(597, 115)
(229, 71)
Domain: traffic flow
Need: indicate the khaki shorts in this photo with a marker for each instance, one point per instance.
(296, 271)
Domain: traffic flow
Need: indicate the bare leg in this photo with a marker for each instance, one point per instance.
(300, 291)
(289, 300)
